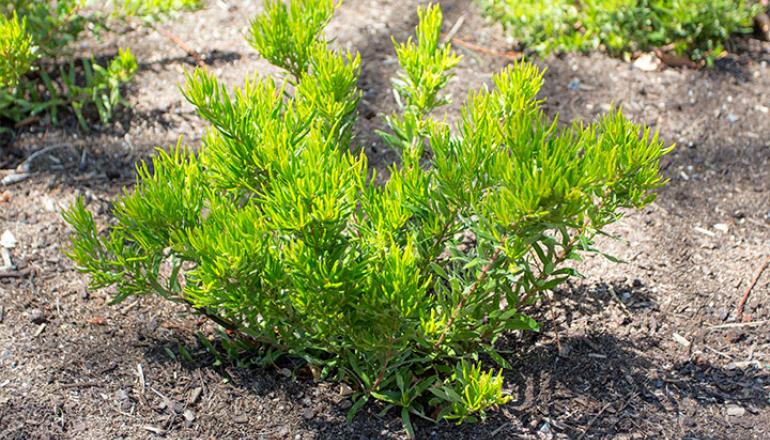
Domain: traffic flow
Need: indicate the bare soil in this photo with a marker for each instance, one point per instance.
(649, 349)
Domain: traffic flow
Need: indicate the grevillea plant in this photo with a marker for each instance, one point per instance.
(278, 232)
(697, 29)
(39, 72)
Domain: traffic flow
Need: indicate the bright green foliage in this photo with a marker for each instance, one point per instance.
(285, 36)
(35, 36)
(696, 28)
(426, 71)
(153, 9)
(277, 231)
(470, 391)
(17, 52)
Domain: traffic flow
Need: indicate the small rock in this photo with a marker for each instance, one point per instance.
(189, 415)
(681, 340)
(7, 240)
(177, 407)
(308, 413)
(722, 227)
(735, 410)
(345, 390)
(647, 62)
(124, 400)
(36, 316)
(49, 204)
(284, 372)
(195, 394)
(154, 429)
(742, 365)
(544, 432)
(241, 419)
(122, 395)
(731, 118)
(346, 404)
(574, 84)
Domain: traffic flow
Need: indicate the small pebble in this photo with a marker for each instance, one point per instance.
(722, 227)
(681, 340)
(36, 316)
(735, 410)
(345, 390)
(194, 395)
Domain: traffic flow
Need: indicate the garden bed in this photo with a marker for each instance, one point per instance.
(650, 348)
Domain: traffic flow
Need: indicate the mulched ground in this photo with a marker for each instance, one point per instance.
(649, 349)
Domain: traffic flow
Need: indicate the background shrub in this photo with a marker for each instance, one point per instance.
(695, 28)
(39, 72)
(277, 231)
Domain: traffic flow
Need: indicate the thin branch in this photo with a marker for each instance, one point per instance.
(465, 297)
(754, 281)
(739, 325)
(555, 326)
(510, 55)
(224, 322)
(381, 375)
(55, 30)
(434, 251)
(182, 45)
(604, 408)
(560, 258)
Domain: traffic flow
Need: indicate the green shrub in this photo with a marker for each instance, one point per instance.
(695, 28)
(277, 231)
(35, 36)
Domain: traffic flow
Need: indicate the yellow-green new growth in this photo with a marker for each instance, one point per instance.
(17, 50)
(278, 233)
(32, 31)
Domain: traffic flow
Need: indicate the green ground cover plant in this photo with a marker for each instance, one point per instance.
(39, 72)
(697, 29)
(277, 231)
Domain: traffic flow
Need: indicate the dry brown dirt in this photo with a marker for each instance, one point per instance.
(649, 349)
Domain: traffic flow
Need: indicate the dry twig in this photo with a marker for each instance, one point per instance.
(754, 281)
(739, 324)
(604, 408)
(182, 45)
(455, 28)
(510, 55)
